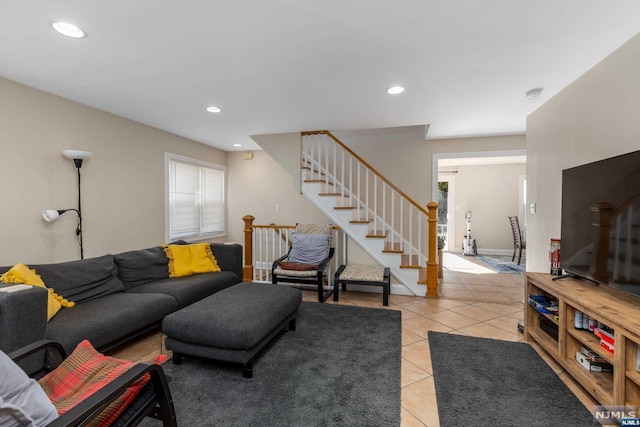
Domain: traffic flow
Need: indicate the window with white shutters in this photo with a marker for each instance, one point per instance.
(195, 195)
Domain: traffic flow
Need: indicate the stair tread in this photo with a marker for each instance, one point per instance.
(328, 194)
(393, 247)
(361, 221)
(376, 236)
(344, 207)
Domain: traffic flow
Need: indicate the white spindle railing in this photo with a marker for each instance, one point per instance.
(375, 200)
(270, 242)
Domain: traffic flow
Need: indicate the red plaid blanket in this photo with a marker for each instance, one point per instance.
(83, 373)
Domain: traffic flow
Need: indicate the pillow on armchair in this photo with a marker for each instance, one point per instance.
(309, 248)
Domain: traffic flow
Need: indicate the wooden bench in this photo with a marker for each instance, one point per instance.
(369, 275)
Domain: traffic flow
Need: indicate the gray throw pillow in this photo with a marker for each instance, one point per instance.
(22, 401)
(309, 248)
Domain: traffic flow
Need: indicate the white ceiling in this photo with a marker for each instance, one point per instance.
(289, 65)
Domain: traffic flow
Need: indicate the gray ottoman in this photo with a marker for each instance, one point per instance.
(232, 325)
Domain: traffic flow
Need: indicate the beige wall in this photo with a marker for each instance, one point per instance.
(491, 193)
(399, 154)
(595, 117)
(260, 187)
(406, 158)
(122, 184)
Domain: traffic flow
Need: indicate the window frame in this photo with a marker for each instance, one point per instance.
(170, 157)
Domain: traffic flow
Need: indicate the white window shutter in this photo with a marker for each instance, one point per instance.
(196, 199)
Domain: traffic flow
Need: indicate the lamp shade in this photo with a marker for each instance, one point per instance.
(77, 154)
(50, 215)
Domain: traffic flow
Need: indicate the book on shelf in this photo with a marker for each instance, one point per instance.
(593, 366)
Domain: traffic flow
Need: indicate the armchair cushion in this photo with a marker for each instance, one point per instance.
(309, 248)
(22, 400)
(83, 373)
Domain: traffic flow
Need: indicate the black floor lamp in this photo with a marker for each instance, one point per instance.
(52, 214)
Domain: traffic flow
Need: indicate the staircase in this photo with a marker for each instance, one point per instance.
(391, 227)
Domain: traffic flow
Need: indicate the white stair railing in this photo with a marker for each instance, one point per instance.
(270, 242)
(374, 200)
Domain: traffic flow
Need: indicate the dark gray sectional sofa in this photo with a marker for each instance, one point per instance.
(117, 297)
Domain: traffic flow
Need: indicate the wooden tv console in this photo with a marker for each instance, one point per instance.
(612, 308)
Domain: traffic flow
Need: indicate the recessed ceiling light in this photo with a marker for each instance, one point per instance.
(395, 90)
(214, 109)
(533, 93)
(69, 30)
(237, 145)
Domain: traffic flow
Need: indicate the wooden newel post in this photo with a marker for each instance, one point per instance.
(247, 269)
(432, 261)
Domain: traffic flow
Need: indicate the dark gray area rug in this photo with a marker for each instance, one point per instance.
(485, 382)
(341, 367)
(503, 264)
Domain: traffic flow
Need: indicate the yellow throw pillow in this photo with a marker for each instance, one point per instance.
(20, 273)
(185, 260)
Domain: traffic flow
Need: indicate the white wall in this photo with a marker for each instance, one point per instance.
(491, 193)
(595, 117)
(403, 155)
(122, 184)
(399, 154)
(259, 187)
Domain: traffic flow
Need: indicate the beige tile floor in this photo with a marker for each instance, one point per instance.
(475, 301)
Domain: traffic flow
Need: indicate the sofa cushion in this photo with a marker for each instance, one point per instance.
(109, 318)
(136, 268)
(189, 289)
(82, 280)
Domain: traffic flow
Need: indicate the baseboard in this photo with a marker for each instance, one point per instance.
(487, 251)
(508, 252)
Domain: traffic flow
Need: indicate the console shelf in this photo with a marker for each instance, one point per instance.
(616, 310)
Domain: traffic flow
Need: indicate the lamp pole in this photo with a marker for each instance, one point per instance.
(78, 163)
(78, 156)
(51, 214)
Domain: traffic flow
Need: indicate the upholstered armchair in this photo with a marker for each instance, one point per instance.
(307, 261)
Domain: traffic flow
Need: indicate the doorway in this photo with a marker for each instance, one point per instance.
(451, 169)
(446, 203)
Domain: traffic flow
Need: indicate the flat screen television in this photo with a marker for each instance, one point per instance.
(600, 227)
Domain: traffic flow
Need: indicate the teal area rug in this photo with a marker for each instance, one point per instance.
(503, 264)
